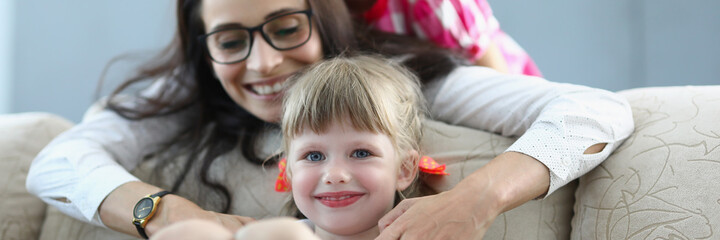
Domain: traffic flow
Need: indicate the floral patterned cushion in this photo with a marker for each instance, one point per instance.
(664, 181)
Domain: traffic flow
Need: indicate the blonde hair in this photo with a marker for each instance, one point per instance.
(375, 94)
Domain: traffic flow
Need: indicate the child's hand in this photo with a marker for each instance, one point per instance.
(276, 229)
(193, 229)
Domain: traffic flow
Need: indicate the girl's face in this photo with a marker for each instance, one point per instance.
(255, 83)
(344, 180)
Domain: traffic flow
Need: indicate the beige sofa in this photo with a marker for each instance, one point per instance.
(662, 183)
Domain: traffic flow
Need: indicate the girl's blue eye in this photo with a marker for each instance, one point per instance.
(314, 156)
(361, 154)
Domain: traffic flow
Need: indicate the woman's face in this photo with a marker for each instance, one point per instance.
(255, 83)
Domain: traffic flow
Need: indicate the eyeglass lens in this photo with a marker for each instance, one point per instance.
(283, 33)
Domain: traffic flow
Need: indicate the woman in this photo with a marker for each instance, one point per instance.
(217, 96)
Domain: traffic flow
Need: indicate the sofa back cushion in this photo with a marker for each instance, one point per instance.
(663, 182)
(22, 136)
(463, 150)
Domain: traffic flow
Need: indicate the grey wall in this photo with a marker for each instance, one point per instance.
(6, 28)
(59, 48)
(618, 45)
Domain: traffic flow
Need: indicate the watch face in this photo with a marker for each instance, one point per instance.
(143, 208)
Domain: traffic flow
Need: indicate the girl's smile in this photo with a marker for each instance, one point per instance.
(339, 199)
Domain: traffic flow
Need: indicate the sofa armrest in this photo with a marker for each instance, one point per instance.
(662, 183)
(22, 136)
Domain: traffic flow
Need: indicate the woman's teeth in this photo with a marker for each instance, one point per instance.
(267, 89)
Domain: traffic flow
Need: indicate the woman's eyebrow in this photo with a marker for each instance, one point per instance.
(238, 25)
(225, 26)
(279, 12)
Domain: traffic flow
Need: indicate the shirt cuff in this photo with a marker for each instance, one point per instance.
(97, 185)
(548, 145)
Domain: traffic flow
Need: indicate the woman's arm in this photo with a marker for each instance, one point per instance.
(116, 210)
(80, 167)
(493, 58)
(84, 171)
(566, 130)
(557, 123)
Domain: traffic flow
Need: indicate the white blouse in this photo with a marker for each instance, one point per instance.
(556, 124)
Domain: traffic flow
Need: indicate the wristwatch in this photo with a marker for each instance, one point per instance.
(144, 210)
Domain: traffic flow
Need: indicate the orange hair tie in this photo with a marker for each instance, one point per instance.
(282, 184)
(427, 165)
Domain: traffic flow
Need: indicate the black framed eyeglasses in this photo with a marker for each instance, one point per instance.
(283, 32)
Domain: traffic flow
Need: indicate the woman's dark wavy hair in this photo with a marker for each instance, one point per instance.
(221, 124)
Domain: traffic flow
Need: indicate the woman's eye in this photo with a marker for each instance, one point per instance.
(314, 157)
(285, 31)
(232, 44)
(361, 154)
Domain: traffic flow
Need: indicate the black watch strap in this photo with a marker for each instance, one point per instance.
(141, 230)
(138, 226)
(160, 194)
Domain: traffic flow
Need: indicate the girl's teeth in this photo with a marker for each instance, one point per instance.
(336, 198)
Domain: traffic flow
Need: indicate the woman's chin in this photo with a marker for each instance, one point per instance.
(270, 114)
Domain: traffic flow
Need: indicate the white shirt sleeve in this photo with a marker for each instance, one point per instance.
(556, 122)
(80, 167)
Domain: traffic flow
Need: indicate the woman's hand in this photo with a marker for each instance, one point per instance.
(448, 215)
(467, 210)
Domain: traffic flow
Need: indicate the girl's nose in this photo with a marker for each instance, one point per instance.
(336, 173)
(263, 57)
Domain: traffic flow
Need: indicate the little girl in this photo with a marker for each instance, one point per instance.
(351, 133)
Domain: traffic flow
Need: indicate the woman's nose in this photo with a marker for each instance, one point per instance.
(336, 173)
(263, 57)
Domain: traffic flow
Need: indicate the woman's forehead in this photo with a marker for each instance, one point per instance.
(246, 13)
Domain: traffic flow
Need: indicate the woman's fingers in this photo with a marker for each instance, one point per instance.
(395, 213)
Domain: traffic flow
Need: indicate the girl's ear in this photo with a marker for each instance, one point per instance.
(408, 170)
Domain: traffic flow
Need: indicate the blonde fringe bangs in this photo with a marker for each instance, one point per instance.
(376, 95)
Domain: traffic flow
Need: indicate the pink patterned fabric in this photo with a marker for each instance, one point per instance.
(465, 25)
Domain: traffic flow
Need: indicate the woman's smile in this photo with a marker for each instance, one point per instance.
(267, 89)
